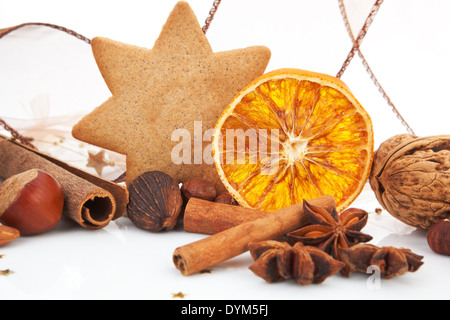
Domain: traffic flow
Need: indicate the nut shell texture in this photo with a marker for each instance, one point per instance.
(155, 201)
(32, 202)
(411, 178)
(438, 237)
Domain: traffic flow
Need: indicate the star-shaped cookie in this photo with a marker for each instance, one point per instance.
(161, 92)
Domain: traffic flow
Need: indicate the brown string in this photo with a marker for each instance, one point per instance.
(355, 48)
(211, 15)
(367, 67)
(361, 35)
(54, 26)
(16, 135)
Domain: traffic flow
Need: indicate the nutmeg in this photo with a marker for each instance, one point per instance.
(438, 237)
(155, 201)
(199, 188)
(31, 202)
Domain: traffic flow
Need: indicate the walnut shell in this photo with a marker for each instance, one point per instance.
(411, 178)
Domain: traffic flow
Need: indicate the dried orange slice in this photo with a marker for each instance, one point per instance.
(293, 135)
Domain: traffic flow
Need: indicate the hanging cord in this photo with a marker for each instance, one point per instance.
(54, 26)
(356, 47)
(16, 135)
(205, 27)
(361, 35)
(211, 15)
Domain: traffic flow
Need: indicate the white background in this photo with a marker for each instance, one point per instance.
(48, 78)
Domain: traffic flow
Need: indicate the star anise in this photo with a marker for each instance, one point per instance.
(330, 231)
(391, 261)
(276, 261)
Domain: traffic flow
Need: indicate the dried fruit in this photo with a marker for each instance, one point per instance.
(438, 237)
(31, 201)
(276, 261)
(199, 188)
(155, 201)
(329, 231)
(391, 261)
(297, 135)
(410, 178)
(8, 234)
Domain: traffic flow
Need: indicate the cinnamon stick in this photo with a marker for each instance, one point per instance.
(90, 201)
(208, 217)
(219, 247)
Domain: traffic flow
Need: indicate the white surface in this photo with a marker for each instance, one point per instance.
(48, 80)
(123, 262)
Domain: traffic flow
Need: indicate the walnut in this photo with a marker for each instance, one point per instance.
(411, 178)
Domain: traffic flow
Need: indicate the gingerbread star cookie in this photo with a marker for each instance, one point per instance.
(166, 100)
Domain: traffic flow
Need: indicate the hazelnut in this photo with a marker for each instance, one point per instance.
(8, 234)
(438, 237)
(226, 198)
(155, 201)
(199, 188)
(31, 202)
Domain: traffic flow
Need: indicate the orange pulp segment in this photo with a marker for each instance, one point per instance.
(293, 135)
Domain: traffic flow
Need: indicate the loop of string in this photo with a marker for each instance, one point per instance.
(365, 63)
(361, 35)
(355, 48)
(54, 26)
(211, 15)
(16, 135)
